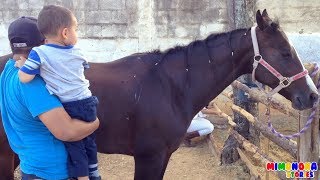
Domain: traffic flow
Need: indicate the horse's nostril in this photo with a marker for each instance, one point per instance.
(314, 97)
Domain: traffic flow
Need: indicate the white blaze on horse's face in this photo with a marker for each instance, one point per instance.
(308, 78)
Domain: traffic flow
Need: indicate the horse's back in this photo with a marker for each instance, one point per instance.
(3, 60)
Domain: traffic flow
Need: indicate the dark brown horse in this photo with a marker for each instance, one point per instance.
(147, 100)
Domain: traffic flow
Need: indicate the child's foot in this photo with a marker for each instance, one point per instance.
(83, 178)
(95, 178)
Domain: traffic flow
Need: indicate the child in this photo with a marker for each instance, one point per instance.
(62, 66)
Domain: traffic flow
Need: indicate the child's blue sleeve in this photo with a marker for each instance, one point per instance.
(32, 64)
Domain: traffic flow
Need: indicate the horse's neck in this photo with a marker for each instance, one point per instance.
(3, 61)
(231, 56)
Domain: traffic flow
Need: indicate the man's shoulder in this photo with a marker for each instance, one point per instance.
(8, 74)
(37, 80)
(9, 66)
(37, 96)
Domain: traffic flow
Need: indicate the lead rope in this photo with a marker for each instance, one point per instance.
(310, 119)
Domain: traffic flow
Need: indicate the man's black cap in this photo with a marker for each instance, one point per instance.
(24, 32)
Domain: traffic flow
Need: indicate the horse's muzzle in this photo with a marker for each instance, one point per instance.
(302, 102)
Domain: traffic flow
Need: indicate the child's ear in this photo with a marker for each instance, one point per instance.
(64, 33)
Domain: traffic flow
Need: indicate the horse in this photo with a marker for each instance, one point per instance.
(147, 100)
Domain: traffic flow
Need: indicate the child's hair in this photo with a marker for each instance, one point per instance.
(52, 17)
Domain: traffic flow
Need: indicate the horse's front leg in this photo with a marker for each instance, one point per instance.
(150, 166)
(164, 167)
(151, 157)
(16, 161)
(8, 161)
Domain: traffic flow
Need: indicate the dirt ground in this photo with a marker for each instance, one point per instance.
(187, 163)
(198, 163)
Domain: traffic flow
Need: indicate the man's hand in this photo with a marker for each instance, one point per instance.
(20, 63)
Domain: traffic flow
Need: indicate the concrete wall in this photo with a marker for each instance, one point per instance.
(110, 29)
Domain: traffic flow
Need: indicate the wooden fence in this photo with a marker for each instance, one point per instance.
(305, 149)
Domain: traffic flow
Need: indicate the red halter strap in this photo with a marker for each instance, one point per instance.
(284, 81)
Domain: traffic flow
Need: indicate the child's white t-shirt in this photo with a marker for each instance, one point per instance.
(62, 68)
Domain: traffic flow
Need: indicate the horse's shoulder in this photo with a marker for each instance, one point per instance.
(3, 60)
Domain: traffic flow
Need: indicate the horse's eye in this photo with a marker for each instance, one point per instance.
(286, 55)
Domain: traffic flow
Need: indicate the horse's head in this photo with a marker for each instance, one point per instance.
(286, 67)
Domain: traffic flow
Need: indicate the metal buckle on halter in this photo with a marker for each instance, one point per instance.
(257, 57)
(256, 60)
(285, 82)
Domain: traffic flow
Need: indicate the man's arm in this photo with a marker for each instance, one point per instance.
(64, 128)
(49, 109)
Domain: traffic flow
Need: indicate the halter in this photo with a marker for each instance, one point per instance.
(283, 81)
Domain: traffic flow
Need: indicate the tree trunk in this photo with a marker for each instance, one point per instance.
(241, 13)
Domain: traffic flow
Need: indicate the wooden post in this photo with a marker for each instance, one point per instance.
(308, 147)
(250, 166)
(242, 14)
(256, 152)
(212, 146)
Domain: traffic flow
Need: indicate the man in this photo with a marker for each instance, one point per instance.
(199, 126)
(34, 120)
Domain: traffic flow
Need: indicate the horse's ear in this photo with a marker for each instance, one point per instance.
(263, 19)
(260, 21)
(265, 13)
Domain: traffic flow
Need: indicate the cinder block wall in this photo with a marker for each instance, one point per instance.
(111, 29)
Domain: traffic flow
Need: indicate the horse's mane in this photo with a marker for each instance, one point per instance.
(184, 49)
(179, 48)
(274, 24)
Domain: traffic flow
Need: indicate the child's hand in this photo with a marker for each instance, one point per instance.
(20, 63)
